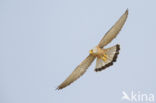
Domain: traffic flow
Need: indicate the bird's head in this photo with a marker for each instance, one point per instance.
(93, 51)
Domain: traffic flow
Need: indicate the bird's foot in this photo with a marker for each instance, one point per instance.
(104, 57)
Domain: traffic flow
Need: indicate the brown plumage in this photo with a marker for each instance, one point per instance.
(105, 57)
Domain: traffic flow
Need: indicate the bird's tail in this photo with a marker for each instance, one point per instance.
(108, 58)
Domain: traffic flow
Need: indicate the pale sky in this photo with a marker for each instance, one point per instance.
(42, 41)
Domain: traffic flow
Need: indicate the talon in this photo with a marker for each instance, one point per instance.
(104, 58)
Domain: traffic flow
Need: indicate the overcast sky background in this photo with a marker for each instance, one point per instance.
(42, 41)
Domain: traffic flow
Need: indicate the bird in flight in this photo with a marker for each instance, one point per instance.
(104, 57)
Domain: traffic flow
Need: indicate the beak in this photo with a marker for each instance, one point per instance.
(91, 51)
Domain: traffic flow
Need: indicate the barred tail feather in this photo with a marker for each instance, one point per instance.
(112, 54)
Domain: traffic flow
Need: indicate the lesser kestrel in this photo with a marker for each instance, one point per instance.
(105, 57)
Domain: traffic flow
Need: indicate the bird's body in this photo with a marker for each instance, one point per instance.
(105, 57)
(99, 53)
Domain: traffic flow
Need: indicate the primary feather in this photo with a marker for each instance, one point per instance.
(112, 33)
(80, 70)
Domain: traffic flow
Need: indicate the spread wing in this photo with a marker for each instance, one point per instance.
(112, 33)
(80, 70)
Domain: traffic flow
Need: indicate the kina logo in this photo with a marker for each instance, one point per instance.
(137, 96)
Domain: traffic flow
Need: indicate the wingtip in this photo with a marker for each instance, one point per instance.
(58, 88)
(126, 11)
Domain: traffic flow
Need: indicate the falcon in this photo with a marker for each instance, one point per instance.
(104, 57)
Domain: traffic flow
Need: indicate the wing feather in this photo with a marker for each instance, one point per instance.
(80, 70)
(112, 33)
(112, 54)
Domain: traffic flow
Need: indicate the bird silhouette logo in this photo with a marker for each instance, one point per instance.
(125, 96)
